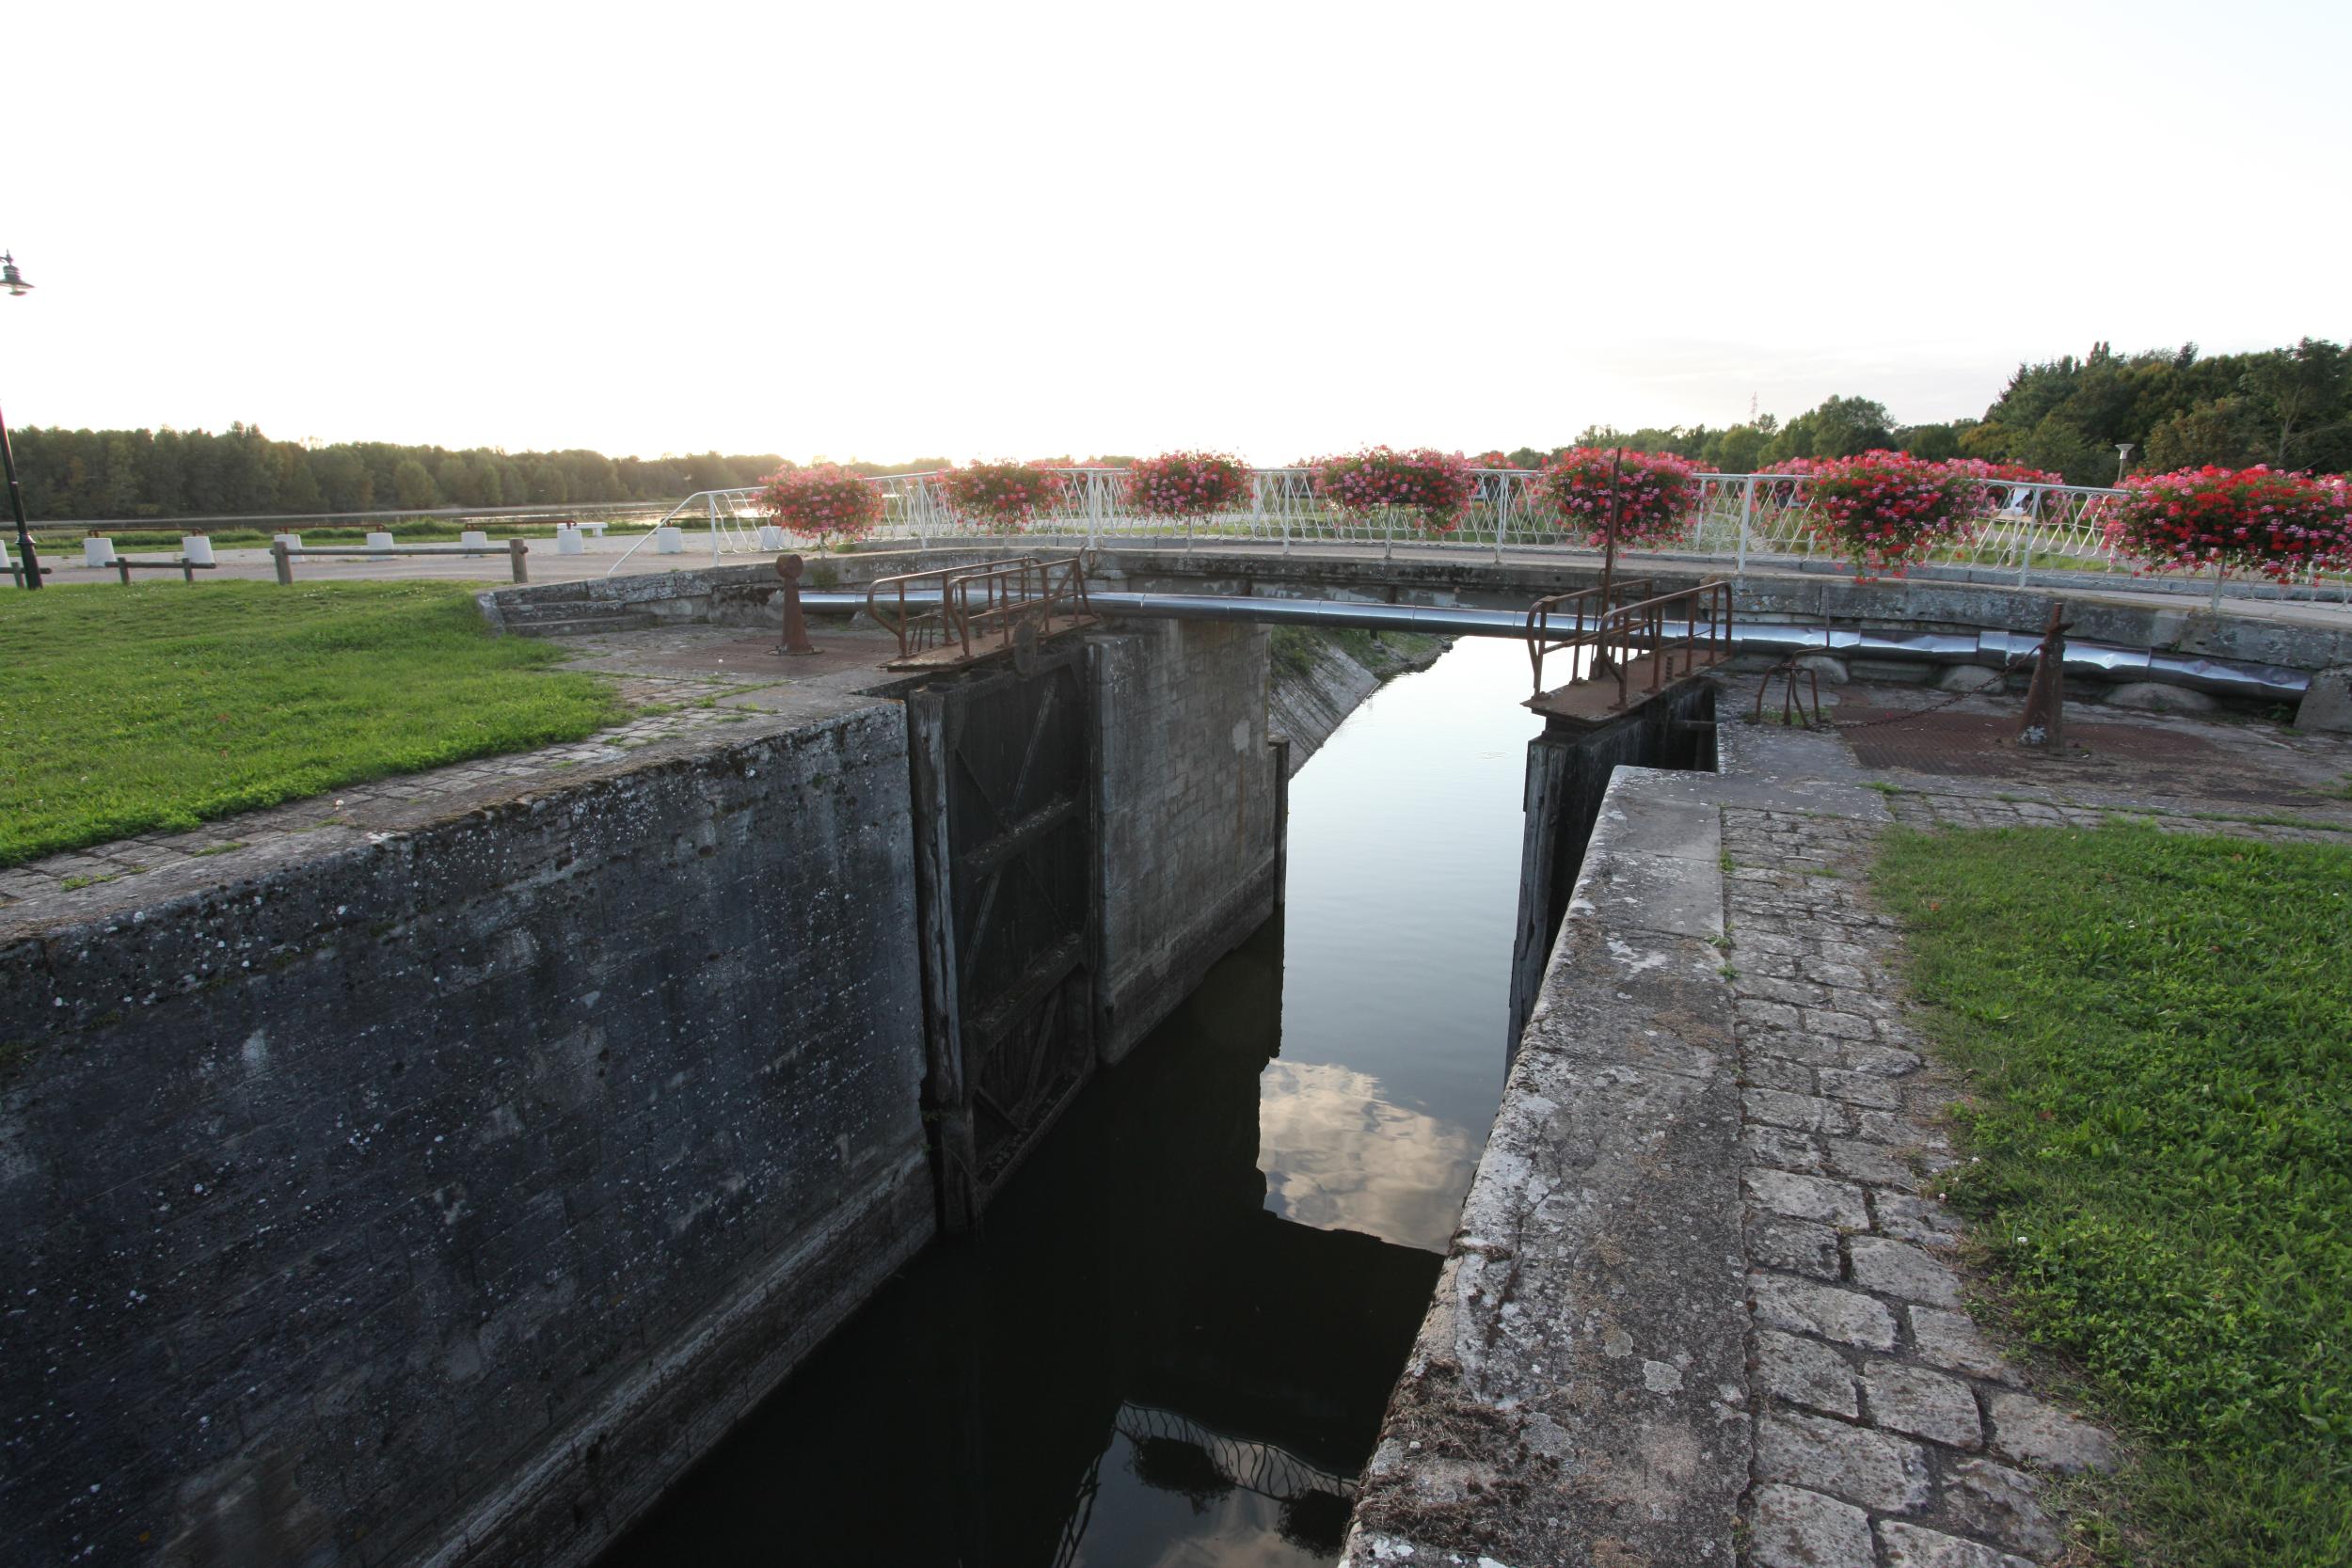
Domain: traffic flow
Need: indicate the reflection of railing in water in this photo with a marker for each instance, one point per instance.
(967, 612)
(1259, 1467)
(1314, 1501)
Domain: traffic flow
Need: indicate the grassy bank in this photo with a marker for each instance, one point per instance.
(158, 707)
(2160, 1032)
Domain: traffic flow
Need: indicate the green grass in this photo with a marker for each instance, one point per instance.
(2160, 1030)
(158, 707)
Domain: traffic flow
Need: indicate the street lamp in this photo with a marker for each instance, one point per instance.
(2122, 456)
(14, 281)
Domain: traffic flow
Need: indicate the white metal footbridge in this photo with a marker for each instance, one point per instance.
(1736, 521)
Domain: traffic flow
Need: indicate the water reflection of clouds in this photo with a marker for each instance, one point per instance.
(1339, 1156)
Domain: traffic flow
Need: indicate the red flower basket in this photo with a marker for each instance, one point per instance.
(823, 503)
(1435, 486)
(2002, 473)
(1652, 491)
(2253, 519)
(1002, 496)
(1885, 511)
(1188, 483)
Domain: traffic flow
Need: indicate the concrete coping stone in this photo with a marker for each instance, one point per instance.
(1581, 1378)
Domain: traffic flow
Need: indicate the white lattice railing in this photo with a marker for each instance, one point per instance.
(1738, 518)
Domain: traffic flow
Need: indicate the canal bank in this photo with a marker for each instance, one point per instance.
(433, 1175)
(1177, 1330)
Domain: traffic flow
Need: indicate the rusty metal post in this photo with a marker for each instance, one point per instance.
(2045, 724)
(1608, 535)
(796, 640)
(516, 549)
(282, 559)
(122, 569)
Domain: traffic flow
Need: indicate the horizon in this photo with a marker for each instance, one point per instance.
(1394, 231)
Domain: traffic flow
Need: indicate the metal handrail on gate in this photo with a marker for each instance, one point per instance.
(1692, 623)
(979, 610)
(1577, 617)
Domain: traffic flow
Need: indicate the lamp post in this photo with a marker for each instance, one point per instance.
(2122, 456)
(14, 281)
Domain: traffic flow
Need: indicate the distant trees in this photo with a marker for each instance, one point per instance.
(2289, 407)
(239, 471)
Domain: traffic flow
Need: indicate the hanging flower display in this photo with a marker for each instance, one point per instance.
(1885, 511)
(1434, 486)
(1188, 483)
(2257, 519)
(1002, 496)
(1652, 492)
(824, 502)
(2002, 473)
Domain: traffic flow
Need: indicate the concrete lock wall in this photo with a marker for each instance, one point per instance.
(440, 1200)
(1192, 807)
(1568, 772)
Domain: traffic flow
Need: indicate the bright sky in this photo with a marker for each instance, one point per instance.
(1016, 229)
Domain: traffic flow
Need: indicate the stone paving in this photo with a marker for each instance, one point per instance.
(1888, 1428)
(1891, 1432)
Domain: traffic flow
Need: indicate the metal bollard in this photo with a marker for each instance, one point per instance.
(516, 549)
(796, 640)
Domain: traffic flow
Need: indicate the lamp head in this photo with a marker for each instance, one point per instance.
(10, 278)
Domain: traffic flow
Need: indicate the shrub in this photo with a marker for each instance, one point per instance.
(1885, 510)
(1001, 497)
(1435, 486)
(1654, 492)
(2253, 519)
(1188, 483)
(824, 503)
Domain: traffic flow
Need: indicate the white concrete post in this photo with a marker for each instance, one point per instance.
(669, 539)
(291, 541)
(473, 539)
(98, 552)
(379, 539)
(1747, 519)
(195, 549)
(569, 541)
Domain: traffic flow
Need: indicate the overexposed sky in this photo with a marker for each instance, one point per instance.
(886, 230)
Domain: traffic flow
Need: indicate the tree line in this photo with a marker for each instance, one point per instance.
(194, 473)
(2290, 408)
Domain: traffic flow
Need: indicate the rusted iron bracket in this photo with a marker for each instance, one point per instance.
(2045, 724)
(1794, 708)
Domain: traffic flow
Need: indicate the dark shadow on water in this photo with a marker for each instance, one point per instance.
(1136, 1354)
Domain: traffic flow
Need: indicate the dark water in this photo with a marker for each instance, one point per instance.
(1172, 1347)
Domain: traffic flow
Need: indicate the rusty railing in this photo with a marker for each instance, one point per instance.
(979, 610)
(1566, 621)
(1675, 635)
